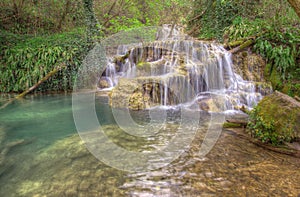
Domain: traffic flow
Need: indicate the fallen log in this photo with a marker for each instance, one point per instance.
(45, 78)
(234, 43)
(236, 123)
(242, 46)
(50, 74)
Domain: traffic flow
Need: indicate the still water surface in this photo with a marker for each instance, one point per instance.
(42, 155)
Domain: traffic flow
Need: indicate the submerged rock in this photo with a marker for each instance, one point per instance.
(285, 112)
(2, 135)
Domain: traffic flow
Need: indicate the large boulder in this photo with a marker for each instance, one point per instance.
(284, 113)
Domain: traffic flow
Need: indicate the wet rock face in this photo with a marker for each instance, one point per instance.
(285, 112)
(172, 72)
(119, 96)
(249, 66)
(103, 84)
(147, 53)
(139, 94)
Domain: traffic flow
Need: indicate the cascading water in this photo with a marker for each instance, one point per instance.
(176, 69)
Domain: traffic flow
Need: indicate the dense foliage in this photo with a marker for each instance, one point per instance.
(44, 16)
(29, 60)
(48, 16)
(272, 24)
(34, 34)
(38, 36)
(209, 18)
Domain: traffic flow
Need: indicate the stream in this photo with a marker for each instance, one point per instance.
(43, 155)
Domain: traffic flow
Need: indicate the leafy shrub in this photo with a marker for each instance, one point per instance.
(262, 129)
(281, 50)
(243, 28)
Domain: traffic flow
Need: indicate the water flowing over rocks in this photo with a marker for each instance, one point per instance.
(251, 67)
(179, 70)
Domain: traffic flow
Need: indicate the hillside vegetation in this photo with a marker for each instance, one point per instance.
(37, 36)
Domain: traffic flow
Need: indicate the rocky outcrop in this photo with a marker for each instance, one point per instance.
(141, 93)
(251, 67)
(183, 71)
(284, 112)
(103, 83)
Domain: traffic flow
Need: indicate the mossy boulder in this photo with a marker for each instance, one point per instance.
(281, 114)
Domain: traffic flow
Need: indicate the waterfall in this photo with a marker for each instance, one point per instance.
(186, 70)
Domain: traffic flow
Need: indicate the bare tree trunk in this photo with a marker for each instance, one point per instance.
(296, 6)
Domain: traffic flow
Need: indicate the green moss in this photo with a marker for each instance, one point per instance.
(232, 125)
(143, 64)
(263, 129)
(286, 88)
(289, 87)
(121, 58)
(296, 89)
(276, 119)
(273, 76)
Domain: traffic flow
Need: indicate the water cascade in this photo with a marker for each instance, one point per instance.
(176, 70)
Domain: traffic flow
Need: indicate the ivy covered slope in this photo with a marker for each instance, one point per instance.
(272, 26)
(26, 59)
